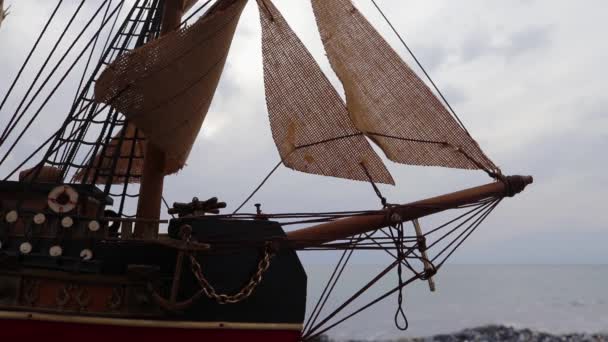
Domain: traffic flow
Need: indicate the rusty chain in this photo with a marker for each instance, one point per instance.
(245, 292)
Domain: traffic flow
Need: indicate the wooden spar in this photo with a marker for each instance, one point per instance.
(151, 190)
(344, 228)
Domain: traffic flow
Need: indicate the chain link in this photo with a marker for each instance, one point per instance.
(245, 292)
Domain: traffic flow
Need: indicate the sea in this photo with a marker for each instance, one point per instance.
(551, 298)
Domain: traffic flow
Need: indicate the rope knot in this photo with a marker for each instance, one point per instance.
(421, 243)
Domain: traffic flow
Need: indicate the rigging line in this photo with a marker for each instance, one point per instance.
(410, 139)
(398, 241)
(29, 56)
(474, 227)
(110, 177)
(7, 130)
(375, 301)
(50, 95)
(102, 154)
(457, 149)
(118, 149)
(357, 294)
(86, 69)
(121, 91)
(129, 170)
(167, 205)
(328, 140)
(31, 156)
(86, 158)
(476, 207)
(258, 188)
(42, 106)
(185, 21)
(51, 150)
(493, 174)
(376, 190)
(420, 66)
(416, 246)
(349, 300)
(331, 283)
(68, 143)
(107, 54)
(474, 217)
(110, 35)
(58, 84)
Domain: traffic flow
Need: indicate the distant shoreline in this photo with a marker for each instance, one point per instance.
(492, 333)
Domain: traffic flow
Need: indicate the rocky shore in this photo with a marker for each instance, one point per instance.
(499, 333)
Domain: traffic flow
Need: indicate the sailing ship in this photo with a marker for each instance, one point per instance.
(75, 263)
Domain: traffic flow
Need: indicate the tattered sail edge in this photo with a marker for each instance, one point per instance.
(457, 150)
(169, 63)
(309, 121)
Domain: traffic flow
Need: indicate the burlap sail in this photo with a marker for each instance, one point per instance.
(128, 164)
(165, 87)
(309, 121)
(386, 99)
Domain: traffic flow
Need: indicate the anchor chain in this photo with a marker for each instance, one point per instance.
(245, 292)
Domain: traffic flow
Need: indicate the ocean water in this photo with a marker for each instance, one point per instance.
(552, 298)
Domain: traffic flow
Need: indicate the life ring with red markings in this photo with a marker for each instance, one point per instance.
(62, 199)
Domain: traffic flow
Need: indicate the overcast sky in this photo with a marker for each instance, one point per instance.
(526, 77)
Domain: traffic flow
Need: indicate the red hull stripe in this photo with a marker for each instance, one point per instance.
(79, 328)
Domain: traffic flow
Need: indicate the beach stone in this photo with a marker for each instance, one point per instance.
(494, 333)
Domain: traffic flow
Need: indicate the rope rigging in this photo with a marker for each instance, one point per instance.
(402, 248)
(27, 59)
(86, 118)
(88, 124)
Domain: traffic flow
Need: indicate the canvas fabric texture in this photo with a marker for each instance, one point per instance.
(310, 124)
(165, 88)
(387, 100)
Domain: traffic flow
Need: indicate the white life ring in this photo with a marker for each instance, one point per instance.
(62, 199)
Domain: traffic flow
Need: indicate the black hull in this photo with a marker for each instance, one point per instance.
(135, 279)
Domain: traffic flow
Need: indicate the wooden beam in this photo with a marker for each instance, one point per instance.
(344, 228)
(153, 176)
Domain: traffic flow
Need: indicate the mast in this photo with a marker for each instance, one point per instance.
(151, 190)
(344, 228)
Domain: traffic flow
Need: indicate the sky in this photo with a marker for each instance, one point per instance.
(526, 77)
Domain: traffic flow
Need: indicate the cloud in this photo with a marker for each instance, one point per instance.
(532, 38)
(481, 44)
